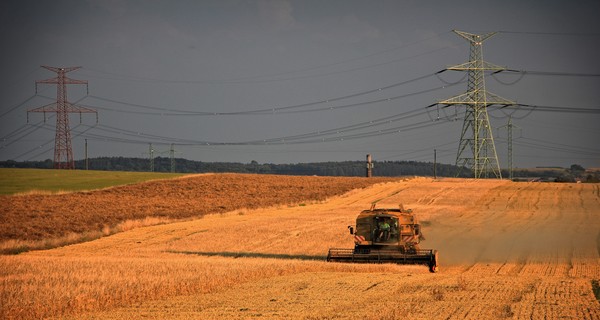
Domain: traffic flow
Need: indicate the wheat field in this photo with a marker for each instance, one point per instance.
(508, 250)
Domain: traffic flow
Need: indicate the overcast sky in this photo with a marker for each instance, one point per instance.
(341, 78)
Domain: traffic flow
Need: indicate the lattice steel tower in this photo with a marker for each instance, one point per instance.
(476, 149)
(63, 152)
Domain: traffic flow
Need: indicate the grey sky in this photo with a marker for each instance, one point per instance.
(237, 56)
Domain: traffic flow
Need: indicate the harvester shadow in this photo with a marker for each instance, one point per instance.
(228, 254)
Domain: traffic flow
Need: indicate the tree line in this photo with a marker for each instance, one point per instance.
(331, 168)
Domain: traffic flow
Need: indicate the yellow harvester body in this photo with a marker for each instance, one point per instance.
(386, 236)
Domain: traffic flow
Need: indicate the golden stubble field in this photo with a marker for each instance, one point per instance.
(508, 250)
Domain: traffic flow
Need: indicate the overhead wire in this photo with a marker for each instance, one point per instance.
(336, 134)
(74, 129)
(256, 79)
(428, 149)
(549, 73)
(561, 146)
(461, 80)
(44, 151)
(426, 155)
(29, 129)
(359, 68)
(17, 106)
(512, 113)
(22, 78)
(557, 109)
(394, 130)
(531, 143)
(555, 149)
(546, 33)
(521, 76)
(316, 136)
(560, 123)
(357, 126)
(530, 107)
(282, 109)
(98, 137)
(35, 148)
(15, 132)
(326, 108)
(186, 142)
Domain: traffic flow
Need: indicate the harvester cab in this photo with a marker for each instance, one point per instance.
(387, 227)
(386, 236)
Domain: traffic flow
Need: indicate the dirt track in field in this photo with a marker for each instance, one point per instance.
(508, 250)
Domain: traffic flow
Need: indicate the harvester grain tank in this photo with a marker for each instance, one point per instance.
(386, 236)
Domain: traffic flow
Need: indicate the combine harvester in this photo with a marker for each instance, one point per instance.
(386, 236)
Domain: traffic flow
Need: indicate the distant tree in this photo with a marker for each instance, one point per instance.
(565, 177)
(577, 168)
(592, 178)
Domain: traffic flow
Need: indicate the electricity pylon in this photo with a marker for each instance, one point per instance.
(476, 149)
(63, 152)
(509, 128)
(172, 156)
(151, 152)
(151, 156)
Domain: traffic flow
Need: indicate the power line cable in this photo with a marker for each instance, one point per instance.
(272, 110)
(23, 77)
(562, 125)
(376, 133)
(320, 133)
(545, 33)
(31, 129)
(102, 138)
(428, 149)
(17, 106)
(327, 108)
(255, 79)
(37, 147)
(537, 144)
(549, 148)
(183, 142)
(354, 127)
(16, 131)
(557, 109)
(521, 76)
(285, 109)
(462, 79)
(357, 68)
(50, 149)
(317, 136)
(549, 73)
(568, 147)
(512, 113)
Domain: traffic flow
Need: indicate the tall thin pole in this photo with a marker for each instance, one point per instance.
(369, 166)
(434, 163)
(86, 156)
(151, 154)
(509, 135)
(510, 154)
(172, 154)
